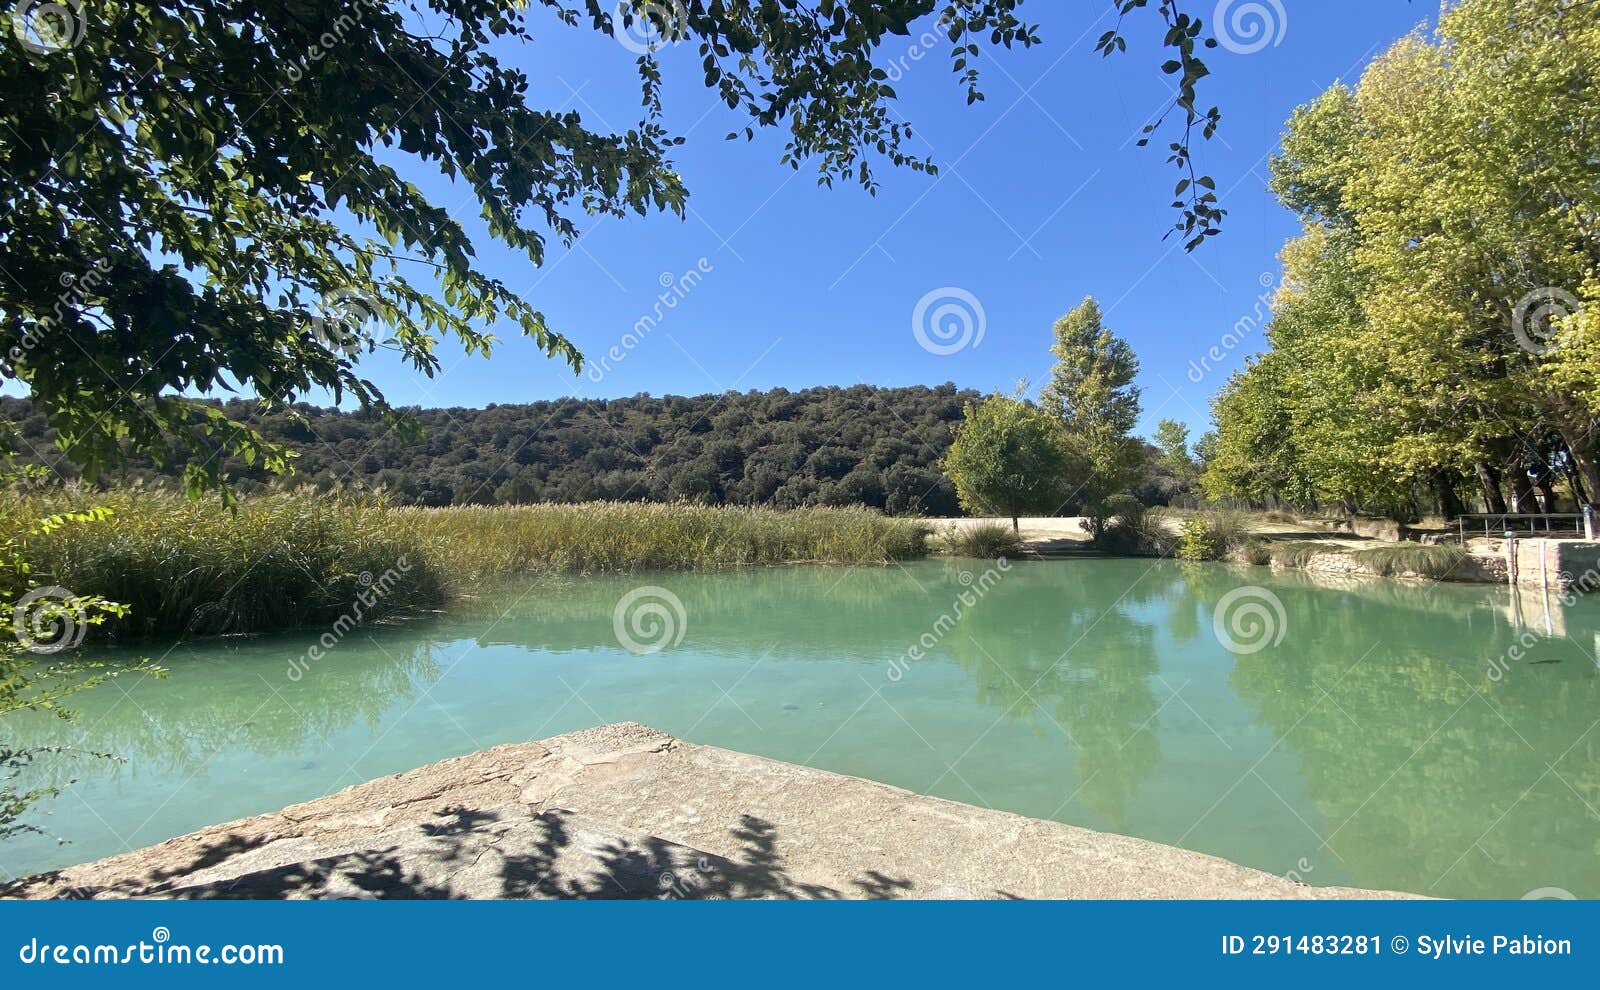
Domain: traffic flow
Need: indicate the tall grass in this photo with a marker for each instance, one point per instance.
(987, 540)
(296, 559)
(1417, 559)
(597, 537)
(280, 561)
(1299, 553)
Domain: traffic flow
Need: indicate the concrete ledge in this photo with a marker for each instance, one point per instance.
(625, 811)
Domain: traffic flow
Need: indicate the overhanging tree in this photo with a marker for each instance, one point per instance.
(199, 195)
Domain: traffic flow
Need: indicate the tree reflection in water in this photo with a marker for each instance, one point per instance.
(1091, 691)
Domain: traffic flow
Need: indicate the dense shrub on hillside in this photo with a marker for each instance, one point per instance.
(863, 445)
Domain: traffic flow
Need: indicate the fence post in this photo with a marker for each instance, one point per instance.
(1588, 521)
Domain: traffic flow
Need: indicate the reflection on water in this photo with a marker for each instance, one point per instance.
(1428, 738)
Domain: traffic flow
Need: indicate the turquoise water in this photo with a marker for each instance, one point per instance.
(1382, 735)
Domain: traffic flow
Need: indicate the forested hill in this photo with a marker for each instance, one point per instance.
(858, 445)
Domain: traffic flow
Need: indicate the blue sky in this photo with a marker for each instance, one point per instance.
(1043, 198)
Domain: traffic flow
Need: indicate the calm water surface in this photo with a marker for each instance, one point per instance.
(1386, 739)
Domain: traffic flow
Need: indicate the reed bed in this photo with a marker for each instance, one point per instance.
(278, 561)
(478, 542)
(296, 559)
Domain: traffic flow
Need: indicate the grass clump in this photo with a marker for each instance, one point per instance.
(1417, 559)
(986, 540)
(1256, 551)
(1212, 534)
(1138, 529)
(1298, 553)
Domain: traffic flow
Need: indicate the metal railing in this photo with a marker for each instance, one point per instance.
(1540, 523)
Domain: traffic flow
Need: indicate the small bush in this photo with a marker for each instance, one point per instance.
(1197, 542)
(1138, 529)
(987, 540)
(1280, 516)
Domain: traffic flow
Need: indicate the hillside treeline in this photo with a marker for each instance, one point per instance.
(861, 445)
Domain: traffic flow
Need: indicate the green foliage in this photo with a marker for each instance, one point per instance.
(1091, 393)
(1212, 534)
(1172, 440)
(1197, 542)
(1433, 328)
(1197, 194)
(1136, 529)
(474, 543)
(37, 623)
(276, 561)
(988, 540)
(861, 445)
(1010, 459)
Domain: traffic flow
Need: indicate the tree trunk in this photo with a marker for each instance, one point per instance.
(1580, 495)
(1583, 459)
(1489, 478)
(1547, 491)
(1016, 527)
(1449, 502)
(1521, 488)
(1588, 473)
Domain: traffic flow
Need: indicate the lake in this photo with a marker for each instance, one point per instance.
(1431, 738)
